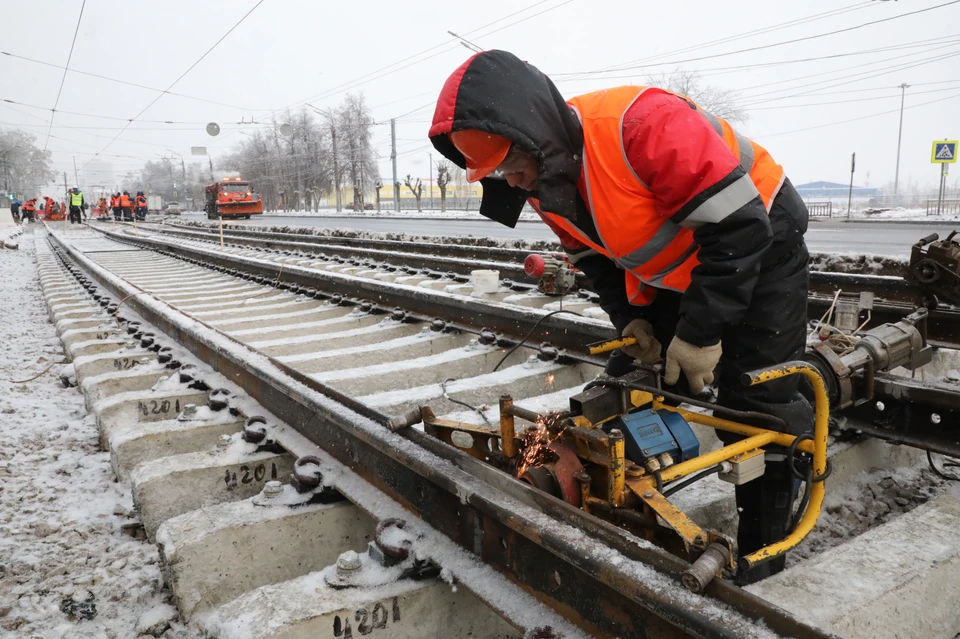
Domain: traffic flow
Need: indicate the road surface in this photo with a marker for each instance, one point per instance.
(832, 237)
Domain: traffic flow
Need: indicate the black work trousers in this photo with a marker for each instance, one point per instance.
(75, 214)
(772, 331)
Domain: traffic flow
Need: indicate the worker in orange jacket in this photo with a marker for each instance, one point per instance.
(141, 205)
(126, 206)
(690, 233)
(29, 210)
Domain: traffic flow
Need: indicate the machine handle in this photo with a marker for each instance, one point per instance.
(933, 237)
(611, 345)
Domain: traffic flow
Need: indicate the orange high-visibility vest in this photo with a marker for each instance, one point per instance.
(125, 201)
(141, 201)
(653, 250)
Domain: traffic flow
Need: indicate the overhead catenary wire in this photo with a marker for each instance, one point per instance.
(53, 111)
(845, 80)
(188, 70)
(119, 81)
(869, 99)
(752, 33)
(739, 68)
(794, 40)
(862, 117)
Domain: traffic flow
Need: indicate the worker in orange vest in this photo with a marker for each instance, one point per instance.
(102, 206)
(141, 205)
(690, 233)
(126, 206)
(29, 210)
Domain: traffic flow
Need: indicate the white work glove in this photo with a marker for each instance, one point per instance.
(647, 349)
(696, 362)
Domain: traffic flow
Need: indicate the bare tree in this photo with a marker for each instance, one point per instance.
(458, 177)
(357, 157)
(443, 178)
(25, 167)
(416, 187)
(288, 171)
(722, 103)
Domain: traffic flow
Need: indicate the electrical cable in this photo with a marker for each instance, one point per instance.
(939, 472)
(680, 485)
(53, 111)
(529, 333)
(791, 461)
(443, 387)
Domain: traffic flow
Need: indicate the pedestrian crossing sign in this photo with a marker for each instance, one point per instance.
(944, 152)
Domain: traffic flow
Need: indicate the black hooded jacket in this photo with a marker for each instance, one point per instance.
(496, 92)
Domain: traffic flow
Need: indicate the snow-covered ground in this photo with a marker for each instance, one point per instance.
(67, 568)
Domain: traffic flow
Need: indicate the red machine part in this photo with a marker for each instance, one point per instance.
(558, 477)
(534, 265)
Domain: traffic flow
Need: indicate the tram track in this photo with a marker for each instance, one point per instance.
(342, 355)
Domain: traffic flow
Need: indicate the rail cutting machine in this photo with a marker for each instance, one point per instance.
(626, 445)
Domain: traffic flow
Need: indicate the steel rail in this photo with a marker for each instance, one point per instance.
(894, 296)
(556, 552)
(565, 331)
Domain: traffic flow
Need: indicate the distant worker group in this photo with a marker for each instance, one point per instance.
(31, 210)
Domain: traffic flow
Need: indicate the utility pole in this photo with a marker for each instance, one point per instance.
(393, 159)
(336, 158)
(430, 162)
(66, 189)
(853, 166)
(336, 165)
(75, 176)
(896, 176)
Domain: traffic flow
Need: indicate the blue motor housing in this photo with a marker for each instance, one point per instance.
(650, 432)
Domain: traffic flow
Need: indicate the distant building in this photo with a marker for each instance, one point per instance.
(833, 189)
(98, 174)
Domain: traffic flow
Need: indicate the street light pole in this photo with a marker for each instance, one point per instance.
(430, 161)
(896, 177)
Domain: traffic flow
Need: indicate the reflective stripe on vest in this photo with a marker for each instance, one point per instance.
(654, 250)
(76, 199)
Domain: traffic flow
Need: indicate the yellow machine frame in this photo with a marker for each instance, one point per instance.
(613, 483)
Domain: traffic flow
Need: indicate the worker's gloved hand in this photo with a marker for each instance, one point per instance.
(696, 362)
(647, 349)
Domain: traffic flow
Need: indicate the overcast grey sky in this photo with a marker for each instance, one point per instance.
(399, 53)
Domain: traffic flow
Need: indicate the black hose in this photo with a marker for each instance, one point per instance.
(791, 455)
(804, 502)
(729, 413)
(690, 480)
